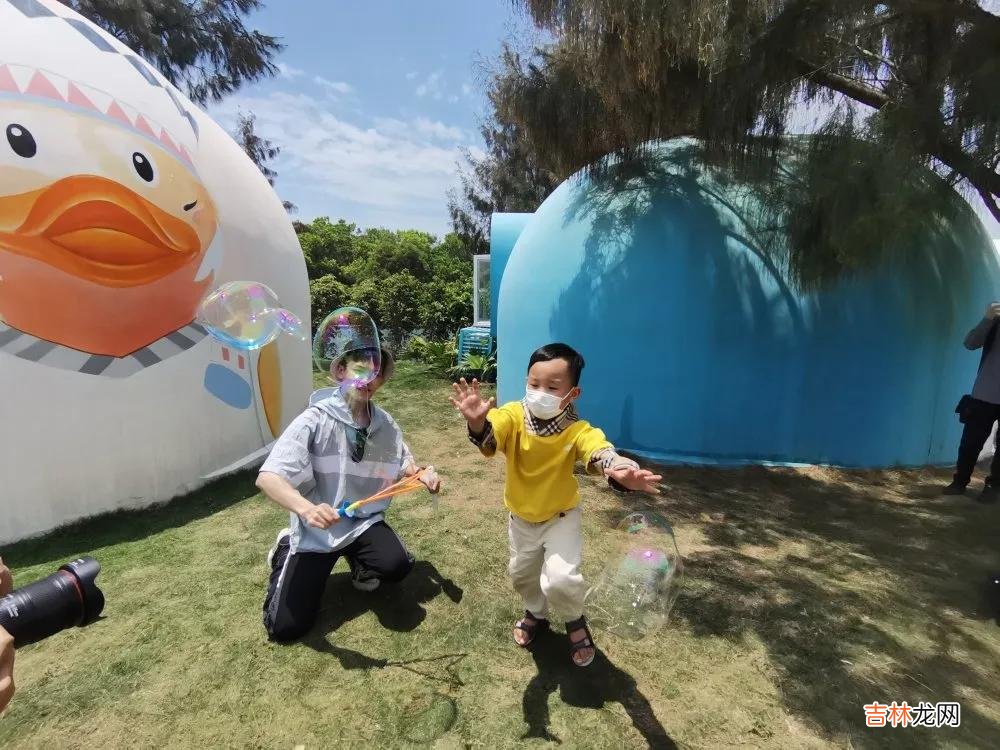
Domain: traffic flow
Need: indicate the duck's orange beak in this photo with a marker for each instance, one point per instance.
(96, 229)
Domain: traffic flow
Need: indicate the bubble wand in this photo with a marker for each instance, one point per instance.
(402, 487)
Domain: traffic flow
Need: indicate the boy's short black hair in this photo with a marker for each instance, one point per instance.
(560, 351)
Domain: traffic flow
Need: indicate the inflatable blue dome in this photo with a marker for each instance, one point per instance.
(699, 349)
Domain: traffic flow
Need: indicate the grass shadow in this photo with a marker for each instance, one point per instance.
(591, 687)
(858, 587)
(398, 607)
(130, 525)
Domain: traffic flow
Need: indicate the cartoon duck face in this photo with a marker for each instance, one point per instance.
(104, 223)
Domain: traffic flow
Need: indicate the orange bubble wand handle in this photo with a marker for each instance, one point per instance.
(402, 487)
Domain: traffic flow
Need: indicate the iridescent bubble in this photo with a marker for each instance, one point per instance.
(290, 323)
(348, 336)
(246, 315)
(240, 314)
(633, 595)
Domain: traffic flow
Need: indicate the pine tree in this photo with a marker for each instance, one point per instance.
(897, 85)
(202, 46)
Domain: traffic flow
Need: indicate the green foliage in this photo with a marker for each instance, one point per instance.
(414, 349)
(438, 354)
(202, 46)
(911, 82)
(408, 281)
(327, 247)
(395, 302)
(326, 294)
(479, 366)
(509, 177)
(260, 150)
(448, 307)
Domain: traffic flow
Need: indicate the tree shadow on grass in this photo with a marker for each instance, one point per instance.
(861, 586)
(130, 525)
(591, 687)
(398, 607)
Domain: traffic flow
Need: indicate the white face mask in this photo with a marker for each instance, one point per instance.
(543, 405)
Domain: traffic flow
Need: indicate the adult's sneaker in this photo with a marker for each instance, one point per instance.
(284, 533)
(361, 578)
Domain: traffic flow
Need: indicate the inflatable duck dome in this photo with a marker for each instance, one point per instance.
(121, 206)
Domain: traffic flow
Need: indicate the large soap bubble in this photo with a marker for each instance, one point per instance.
(633, 595)
(246, 315)
(344, 331)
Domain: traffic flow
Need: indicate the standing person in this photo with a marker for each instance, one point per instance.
(542, 438)
(980, 410)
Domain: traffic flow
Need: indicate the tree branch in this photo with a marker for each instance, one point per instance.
(861, 92)
(991, 203)
(980, 176)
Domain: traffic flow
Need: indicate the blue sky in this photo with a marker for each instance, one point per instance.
(375, 101)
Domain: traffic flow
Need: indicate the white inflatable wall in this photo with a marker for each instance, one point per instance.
(121, 205)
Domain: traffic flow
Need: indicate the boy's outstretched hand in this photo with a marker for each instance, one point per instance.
(640, 480)
(470, 402)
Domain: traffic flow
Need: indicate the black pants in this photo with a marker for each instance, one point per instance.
(979, 421)
(297, 581)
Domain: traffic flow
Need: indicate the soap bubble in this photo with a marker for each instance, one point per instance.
(246, 315)
(633, 595)
(346, 330)
(290, 323)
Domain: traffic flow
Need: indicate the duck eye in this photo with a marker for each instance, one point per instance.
(143, 168)
(21, 141)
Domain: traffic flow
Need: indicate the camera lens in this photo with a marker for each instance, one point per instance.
(67, 598)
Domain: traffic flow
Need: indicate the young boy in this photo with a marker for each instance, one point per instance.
(542, 438)
(344, 448)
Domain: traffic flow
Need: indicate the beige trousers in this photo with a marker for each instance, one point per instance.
(545, 564)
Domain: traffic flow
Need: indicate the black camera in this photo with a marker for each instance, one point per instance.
(67, 598)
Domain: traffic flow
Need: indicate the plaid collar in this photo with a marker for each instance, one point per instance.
(548, 427)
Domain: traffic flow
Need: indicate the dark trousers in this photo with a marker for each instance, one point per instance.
(297, 581)
(979, 419)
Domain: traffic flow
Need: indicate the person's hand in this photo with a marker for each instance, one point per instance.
(470, 402)
(993, 311)
(6, 579)
(6, 668)
(640, 480)
(321, 516)
(430, 479)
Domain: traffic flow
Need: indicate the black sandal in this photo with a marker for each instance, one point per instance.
(586, 642)
(531, 629)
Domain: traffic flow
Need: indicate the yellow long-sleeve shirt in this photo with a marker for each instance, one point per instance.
(540, 482)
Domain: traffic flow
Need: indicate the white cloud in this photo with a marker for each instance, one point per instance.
(422, 126)
(466, 89)
(336, 86)
(384, 171)
(432, 86)
(289, 71)
(411, 75)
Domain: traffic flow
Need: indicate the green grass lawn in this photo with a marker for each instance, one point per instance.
(808, 593)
